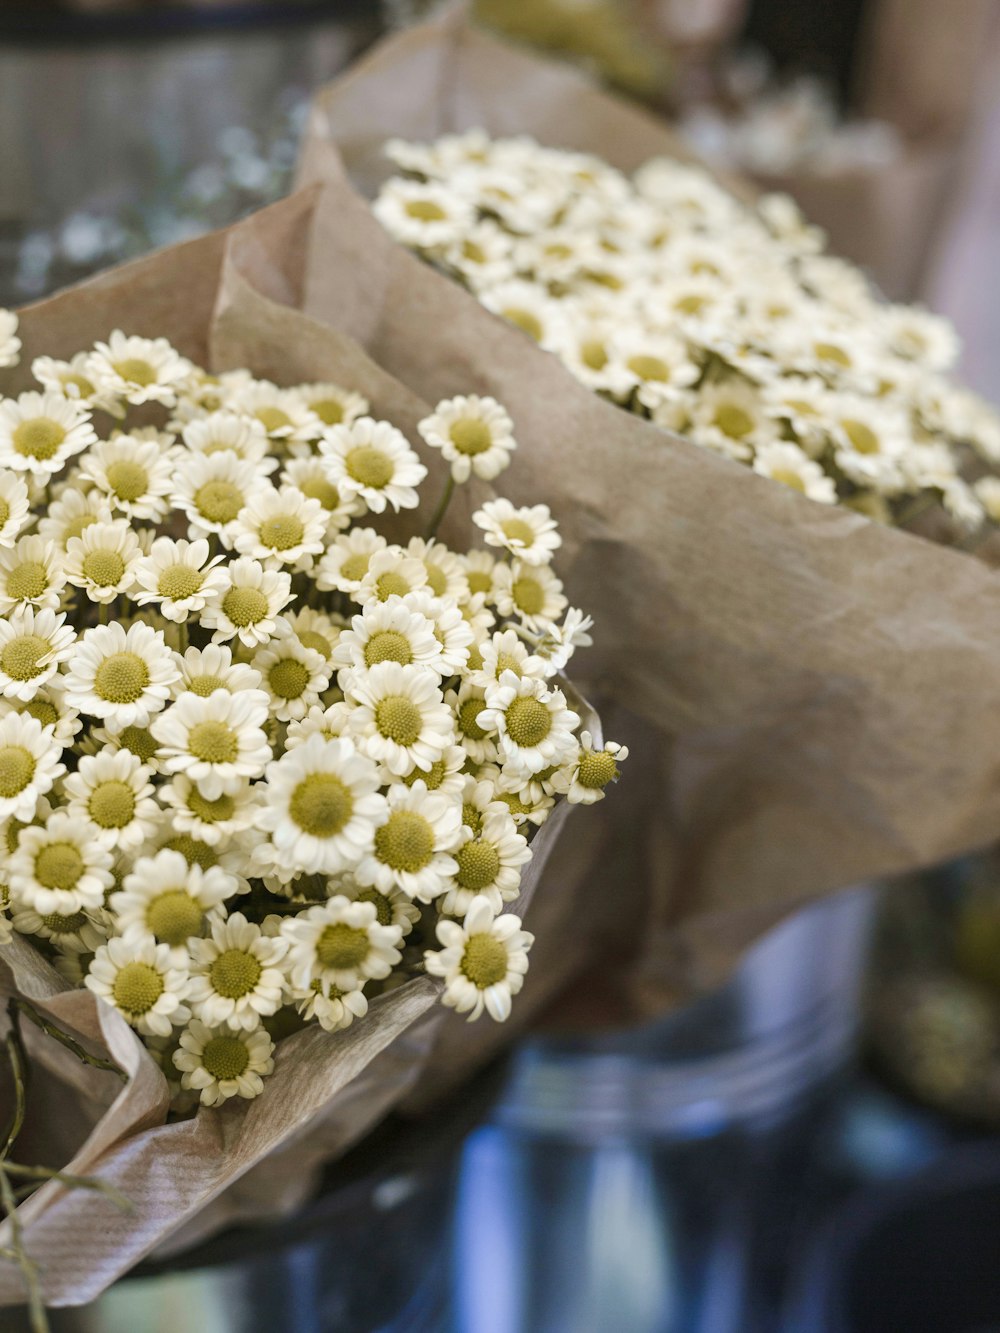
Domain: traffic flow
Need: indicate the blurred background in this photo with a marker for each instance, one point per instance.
(814, 1147)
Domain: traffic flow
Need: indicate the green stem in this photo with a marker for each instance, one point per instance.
(104, 613)
(19, 1255)
(19, 1069)
(37, 1173)
(443, 504)
(71, 1044)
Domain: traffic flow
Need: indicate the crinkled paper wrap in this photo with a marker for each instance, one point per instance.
(816, 698)
(250, 1159)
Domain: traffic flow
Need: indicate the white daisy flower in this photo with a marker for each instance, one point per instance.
(311, 476)
(334, 405)
(731, 417)
(138, 370)
(483, 961)
(203, 670)
(227, 432)
(172, 901)
(293, 675)
(528, 306)
(103, 560)
(69, 379)
(10, 343)
(121, 677)
(505, 651)
(479, 567)
(392, 906)
(475, 436)
(137, 740)
(32, 645)
(531, 592)
(482, 257)
(345, 564)
(339, 943)
(391, 573)
(30, 763)
(212, 489)
(329, 723)
(72, 514)
(31, 575)
(135, 474)
(446, 775)
(280, 528)
(322, 805)
(585, 778)
(80, 927)
(388, 631)
(112, 790)
(399, 719)
(316, 630)
(49, 707)
(466, 704)
(248, 608)
(454, 634)
(530, 533)
(282, 413)
(373, 461)
(13, 506)
(415, 842)
(333, 1009)
(236, 974)
(217, 741)
(60, 868)
(143, 980)
(445, 570)
(422, 214)
(223, 1062)
(785, 462)
(560, 642)
(489, 862)
(212, 821)
(39, 433)
(918, 335)
(178, 577)
(534, 726)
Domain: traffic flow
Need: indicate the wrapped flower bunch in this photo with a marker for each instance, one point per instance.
(718, 319)
(257, 761)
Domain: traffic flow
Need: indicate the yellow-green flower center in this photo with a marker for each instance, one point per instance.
(4, 511)
(27, 581)
(137, 988)
(472, 817)
(245, 606)
(121, 678)
(733, 421)
(467, 716)
(863, 439)
(388, 645)
(174, 916)
(128, 479)
(111, 804)
(225, 1057)
(398, 719)
(218, 501)
(405, 841)
(281, 532)
(432, 778)
(597, 768)
(330, 411)
(513, 803)
(311, 638)
(484, 961)
(177, 582)
(470, 436)
(138, 741)
(235, 973)
(213, 742)
(478, 864)
(594, 354)
(788, 478)
(17, 768)
(318, 488)
(59, 924)
(103, 568)
(210, 812)
(79, 382)
(78, 525)
(273, 418)
(425, 210)
(355, 567)
(341, 947)
(391, 584)
(382, 905)
(831, 352)
(136, 370)
(321, 805)
(529, 595)
(42, 711)
(39, 438)
(528, 722)
(194, 851)
(649, 368)
(21, 656)
(59, 865)
(206, 685)
(516, 529)
(526, 321)
(288, 678)
(370, 466)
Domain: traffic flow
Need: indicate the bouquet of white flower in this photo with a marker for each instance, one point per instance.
(813, 691)
(265, 758)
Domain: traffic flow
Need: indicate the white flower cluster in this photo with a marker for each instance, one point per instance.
(254, 757)
(715, 319)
